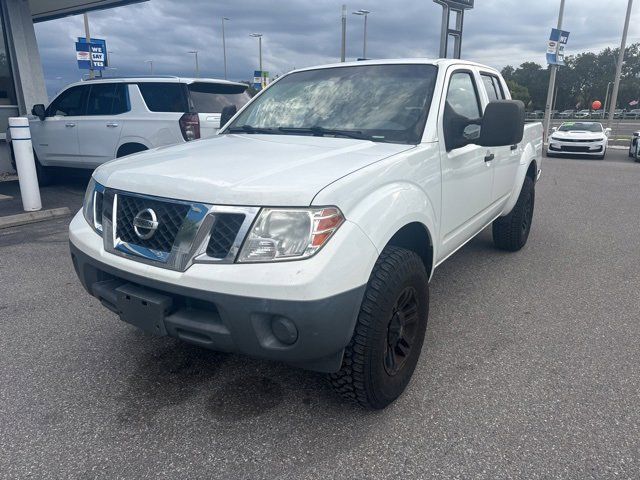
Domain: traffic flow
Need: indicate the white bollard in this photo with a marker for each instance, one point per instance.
(25, 163)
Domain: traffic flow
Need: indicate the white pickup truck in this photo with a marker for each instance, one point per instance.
(307, 231)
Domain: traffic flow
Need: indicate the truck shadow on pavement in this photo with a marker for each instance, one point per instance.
(231, 388)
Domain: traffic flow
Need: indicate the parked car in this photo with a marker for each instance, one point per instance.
(554, 113)
(588, 139)
(308, 229)
(619, 113)
(92, 122)
(583, 114)
(597, 114)
(633, 114)
(567, 114)
(633, 146)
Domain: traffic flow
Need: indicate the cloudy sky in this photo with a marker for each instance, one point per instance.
(299, 33)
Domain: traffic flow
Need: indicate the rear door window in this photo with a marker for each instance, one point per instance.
(107, 99)
(212, 98)
(493, 87)
(164, 97)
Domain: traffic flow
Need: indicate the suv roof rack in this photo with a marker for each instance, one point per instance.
(130, 76)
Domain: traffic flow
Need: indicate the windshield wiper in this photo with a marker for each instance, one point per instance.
(250, 129)
(321, 132)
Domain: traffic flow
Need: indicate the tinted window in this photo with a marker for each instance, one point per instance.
(164, 97)
(212, 98)
(493, 87)
(120, 99)
(107, 99)
(385, 103)
(70, 103)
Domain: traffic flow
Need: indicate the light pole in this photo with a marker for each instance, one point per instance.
(552, 84)
(616, 83)
(87, 37)
(606, 98)
(195, 52)
(150, 62)
(343, 46)
(259, 37)
(224, 47)
(364, 13)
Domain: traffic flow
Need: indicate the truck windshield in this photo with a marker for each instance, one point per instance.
(582, 126)
(383, 103)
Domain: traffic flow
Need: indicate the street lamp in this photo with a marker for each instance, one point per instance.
(259, 37)
(364, 13)
(195, 52)
(150, 62)
(224, 47)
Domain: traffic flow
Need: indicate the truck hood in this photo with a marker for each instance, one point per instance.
(258, 170)
(578, 135)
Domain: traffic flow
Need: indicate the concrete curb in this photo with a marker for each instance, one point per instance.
(33, 217)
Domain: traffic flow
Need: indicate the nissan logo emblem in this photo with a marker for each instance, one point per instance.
(145, 224)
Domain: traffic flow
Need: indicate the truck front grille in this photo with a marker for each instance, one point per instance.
(223, 234)
(170, 217)
(172, 234)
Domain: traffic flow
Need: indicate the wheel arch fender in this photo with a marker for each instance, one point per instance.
(399, 208)
(528, 167)
(129, 139)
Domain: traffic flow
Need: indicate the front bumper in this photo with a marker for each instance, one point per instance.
(302, 313)
(308, 334)
(559, 147)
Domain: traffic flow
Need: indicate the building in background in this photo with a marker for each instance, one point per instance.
(21, 77)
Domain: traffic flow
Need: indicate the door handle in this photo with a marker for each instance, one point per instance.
(514, 147)
(112, 125)
(70, 125)
(489, 157)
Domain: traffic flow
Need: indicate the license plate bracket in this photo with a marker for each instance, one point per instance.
(143, 308)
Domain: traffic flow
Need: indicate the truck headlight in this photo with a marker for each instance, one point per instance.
(92, 205)
(290, 234)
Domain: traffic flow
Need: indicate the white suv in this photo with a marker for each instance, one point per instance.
(92, 122)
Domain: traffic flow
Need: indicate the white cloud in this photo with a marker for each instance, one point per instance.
(300, 33)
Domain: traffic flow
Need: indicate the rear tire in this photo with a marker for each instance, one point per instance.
(512, 231)
(380, 359)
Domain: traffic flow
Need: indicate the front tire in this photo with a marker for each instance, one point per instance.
(380, 359)
(45, 175)
(512, 231)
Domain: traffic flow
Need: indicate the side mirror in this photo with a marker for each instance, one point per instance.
(39, 111)
(502, 124)
(607, 131)
(227, 114)
(554, 129)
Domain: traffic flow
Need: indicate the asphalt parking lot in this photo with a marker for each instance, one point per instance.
(531, 367)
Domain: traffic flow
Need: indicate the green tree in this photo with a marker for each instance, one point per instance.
(519, 92)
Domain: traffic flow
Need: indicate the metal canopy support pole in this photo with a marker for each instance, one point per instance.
(552, 84)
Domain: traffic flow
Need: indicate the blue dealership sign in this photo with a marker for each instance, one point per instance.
(555, 48)
(91, 56)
